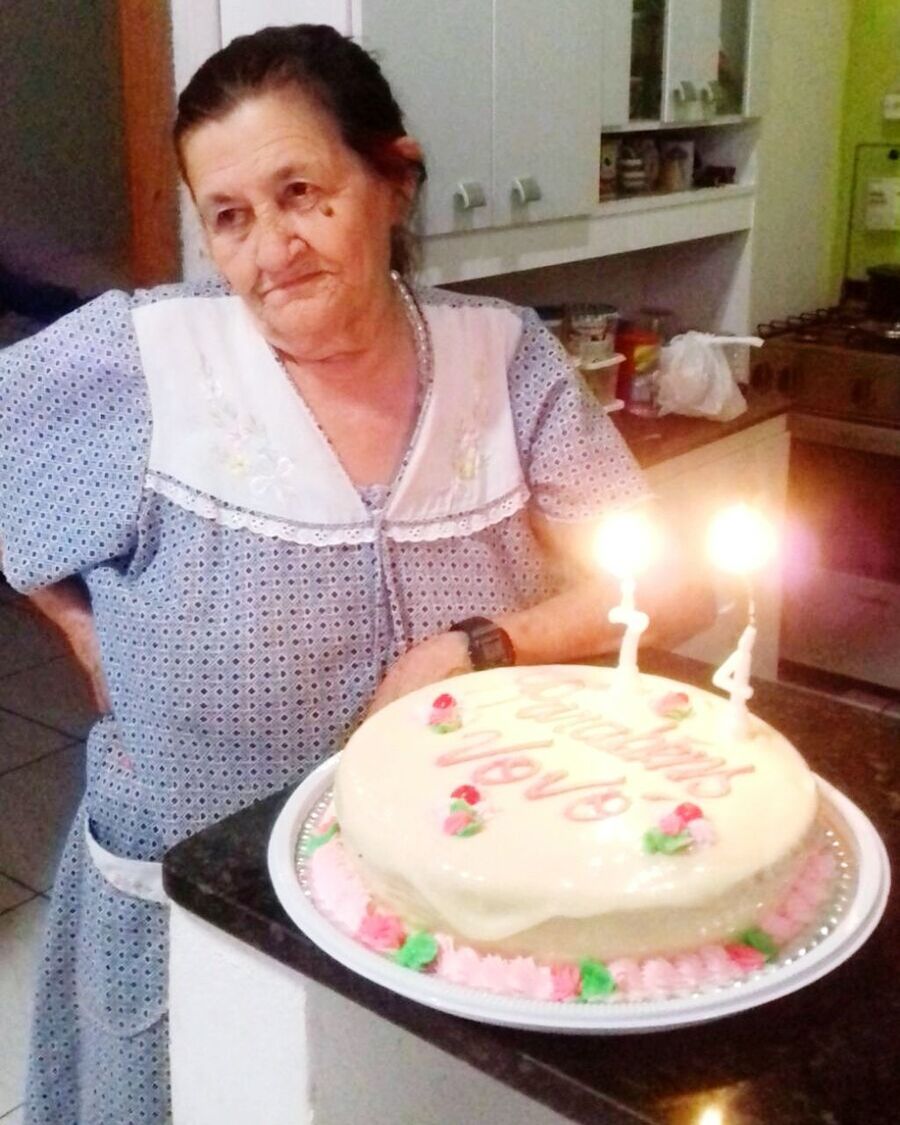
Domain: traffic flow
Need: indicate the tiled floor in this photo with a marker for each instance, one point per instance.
(45, 714)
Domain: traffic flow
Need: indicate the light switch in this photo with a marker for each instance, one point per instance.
(890, 107)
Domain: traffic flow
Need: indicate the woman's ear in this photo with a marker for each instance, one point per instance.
(409, 149)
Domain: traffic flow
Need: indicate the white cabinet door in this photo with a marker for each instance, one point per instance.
(693, 37)
(238, 17)
(615, 61)
(547, 82)
(437, 59)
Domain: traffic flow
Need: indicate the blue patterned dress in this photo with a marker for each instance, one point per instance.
(248, 600)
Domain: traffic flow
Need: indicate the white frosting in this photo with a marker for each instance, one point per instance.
(572, 776)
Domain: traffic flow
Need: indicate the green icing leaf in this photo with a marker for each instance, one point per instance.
(596, 980)
(446, 728)
(418, 951)
(760, 940)
(679, 713)
(459, 805)
(316, 842)
(470, 829)
(655, 840)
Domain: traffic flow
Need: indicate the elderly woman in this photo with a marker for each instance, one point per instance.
(260, 505)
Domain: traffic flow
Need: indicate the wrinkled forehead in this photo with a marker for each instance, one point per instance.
(261, 137)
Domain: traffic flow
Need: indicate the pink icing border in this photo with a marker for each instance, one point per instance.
(340, 895)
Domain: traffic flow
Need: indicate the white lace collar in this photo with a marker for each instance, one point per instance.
(233, 441)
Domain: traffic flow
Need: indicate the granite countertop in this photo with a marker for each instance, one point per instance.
(826, 1054)
(653, 440)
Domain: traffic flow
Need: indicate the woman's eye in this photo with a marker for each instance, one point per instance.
(298, 189)
(227, 218)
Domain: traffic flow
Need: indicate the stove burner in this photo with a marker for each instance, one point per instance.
(842, 326)
(882, 329)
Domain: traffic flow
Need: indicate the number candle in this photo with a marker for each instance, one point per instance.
(741, 541)
(625, 547)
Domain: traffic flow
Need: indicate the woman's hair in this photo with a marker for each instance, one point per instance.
(319, 62)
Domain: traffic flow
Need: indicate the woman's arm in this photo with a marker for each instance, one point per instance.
(67, 605)
(572, 625)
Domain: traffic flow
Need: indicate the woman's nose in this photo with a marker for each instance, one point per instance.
(277, 244)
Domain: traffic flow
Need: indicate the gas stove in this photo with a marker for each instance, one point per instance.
(835, 363)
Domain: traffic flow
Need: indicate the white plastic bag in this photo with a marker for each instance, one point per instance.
(695, 379)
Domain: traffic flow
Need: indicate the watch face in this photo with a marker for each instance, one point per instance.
(492, 647)
(489, 645)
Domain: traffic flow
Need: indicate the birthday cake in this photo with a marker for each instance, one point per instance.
(538, 830)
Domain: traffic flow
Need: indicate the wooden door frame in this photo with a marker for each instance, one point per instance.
(148, 110)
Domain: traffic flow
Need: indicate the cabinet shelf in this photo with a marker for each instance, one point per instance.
(657, 200)
(616, 226)
(653, 126)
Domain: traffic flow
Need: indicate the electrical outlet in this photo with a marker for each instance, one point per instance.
(890, 107)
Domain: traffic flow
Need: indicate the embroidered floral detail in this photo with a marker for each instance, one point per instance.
(469, 457)
(242, 445)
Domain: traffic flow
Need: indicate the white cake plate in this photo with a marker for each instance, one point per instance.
(827, 948)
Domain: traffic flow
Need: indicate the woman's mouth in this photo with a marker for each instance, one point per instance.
(291, 285)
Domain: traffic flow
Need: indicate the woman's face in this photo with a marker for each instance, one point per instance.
(295, 220)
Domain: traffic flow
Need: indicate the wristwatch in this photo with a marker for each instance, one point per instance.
(489, 645)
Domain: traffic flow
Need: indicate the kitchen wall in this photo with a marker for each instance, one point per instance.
(873, 70)
(799, 164)
(62, 202)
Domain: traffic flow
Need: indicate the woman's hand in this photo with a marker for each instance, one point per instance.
(67, 605)
(82, 638)
(446, 654)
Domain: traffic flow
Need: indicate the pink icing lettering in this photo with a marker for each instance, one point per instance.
(582, 724)
(599, 806)
(635, 746)
(715, 783)
(544, 786)
(545, 711)
(668, 756)
(488, 704)
(475, 743)
(504, 771)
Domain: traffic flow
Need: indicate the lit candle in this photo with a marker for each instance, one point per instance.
(625, 547)
(741, 541)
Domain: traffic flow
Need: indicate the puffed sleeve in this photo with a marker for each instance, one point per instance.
(74, 435)
(575, 459)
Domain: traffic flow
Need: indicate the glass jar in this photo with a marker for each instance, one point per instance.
(592, 334)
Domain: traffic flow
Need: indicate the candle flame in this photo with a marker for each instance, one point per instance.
(625, 544)
(741, 540)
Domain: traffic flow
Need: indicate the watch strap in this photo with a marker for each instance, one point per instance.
(489, 645)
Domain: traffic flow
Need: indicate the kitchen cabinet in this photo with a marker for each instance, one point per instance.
(749, 466)
(509, 115)
(688, 60)
(507, 97)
